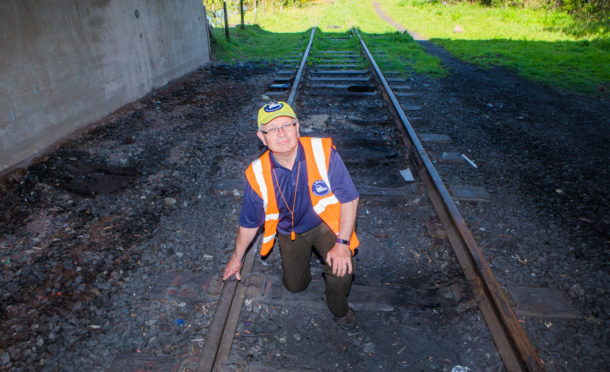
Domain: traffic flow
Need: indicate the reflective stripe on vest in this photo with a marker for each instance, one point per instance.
(259, 178)
(327, 206)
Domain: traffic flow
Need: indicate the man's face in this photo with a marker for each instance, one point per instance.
(282, 135)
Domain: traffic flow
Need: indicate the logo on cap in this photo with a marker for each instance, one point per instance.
(320, 188)
(273, 106)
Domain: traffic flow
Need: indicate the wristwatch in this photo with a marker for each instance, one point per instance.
(342, 241)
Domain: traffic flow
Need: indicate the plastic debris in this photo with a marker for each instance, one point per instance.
(179, 322)
(7, 261)
(459, 368)
(469, 161)
(407, 175)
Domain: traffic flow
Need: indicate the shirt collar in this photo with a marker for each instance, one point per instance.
(300, 157)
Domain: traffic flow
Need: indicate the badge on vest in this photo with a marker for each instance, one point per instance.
(320, 188)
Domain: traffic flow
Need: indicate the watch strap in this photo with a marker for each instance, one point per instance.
(342, 241)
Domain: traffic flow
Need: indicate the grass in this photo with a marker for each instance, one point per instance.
(549, 47)
(278, 33)
(542, 45)
(403, 54)
(256, 44)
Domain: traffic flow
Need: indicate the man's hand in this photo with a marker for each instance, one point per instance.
(340, 260)
(243, 239)
(233, 267)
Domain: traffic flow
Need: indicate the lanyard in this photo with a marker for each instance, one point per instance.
(292, 234)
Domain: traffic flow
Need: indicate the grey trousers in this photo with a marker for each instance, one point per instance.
(296, 256)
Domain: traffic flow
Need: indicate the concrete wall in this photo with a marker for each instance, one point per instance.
(67, 63)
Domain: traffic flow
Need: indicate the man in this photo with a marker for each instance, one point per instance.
(300, 189)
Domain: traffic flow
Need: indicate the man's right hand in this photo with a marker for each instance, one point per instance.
(243, 239)
(233, 267)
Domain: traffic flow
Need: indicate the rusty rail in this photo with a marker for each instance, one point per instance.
(515, 348)
(221, 331)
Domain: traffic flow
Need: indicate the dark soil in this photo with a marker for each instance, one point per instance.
(94, 223)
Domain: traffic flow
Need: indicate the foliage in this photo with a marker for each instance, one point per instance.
(215, 8)
(590, 9)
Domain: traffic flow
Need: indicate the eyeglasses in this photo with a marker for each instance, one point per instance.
(276, 130)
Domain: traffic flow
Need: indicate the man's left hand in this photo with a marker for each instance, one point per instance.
(340, 260)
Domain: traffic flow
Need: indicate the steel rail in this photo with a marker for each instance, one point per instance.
(221, 331)
(223, 325)
(515, 348)
(297, 79)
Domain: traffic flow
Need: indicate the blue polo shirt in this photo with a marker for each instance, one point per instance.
(252, 208)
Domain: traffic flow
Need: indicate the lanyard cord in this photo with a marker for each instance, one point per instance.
(292, 233)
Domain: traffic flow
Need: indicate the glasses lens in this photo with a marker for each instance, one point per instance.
(276, 130)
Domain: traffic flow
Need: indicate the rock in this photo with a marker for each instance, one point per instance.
(170, 202)
(369, 348)
(576, 291)
(6, 359)
(318, 121)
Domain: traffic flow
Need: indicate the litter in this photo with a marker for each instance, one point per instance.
(460, 369)
(407, 175)
(469, 161)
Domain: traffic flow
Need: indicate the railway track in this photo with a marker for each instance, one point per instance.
(424, 294)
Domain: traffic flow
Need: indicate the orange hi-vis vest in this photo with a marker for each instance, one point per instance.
(324, 202)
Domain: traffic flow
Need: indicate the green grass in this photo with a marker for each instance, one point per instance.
(256, 44)
(323, 42)
(402, 53)
(280, 32)
(546, 46)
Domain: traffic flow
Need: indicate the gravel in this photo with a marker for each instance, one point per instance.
(87, 230)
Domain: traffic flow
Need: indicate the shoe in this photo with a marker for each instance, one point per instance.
(348, 321)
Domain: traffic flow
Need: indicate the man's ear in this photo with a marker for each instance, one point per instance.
(261, 137)
(298, 128)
